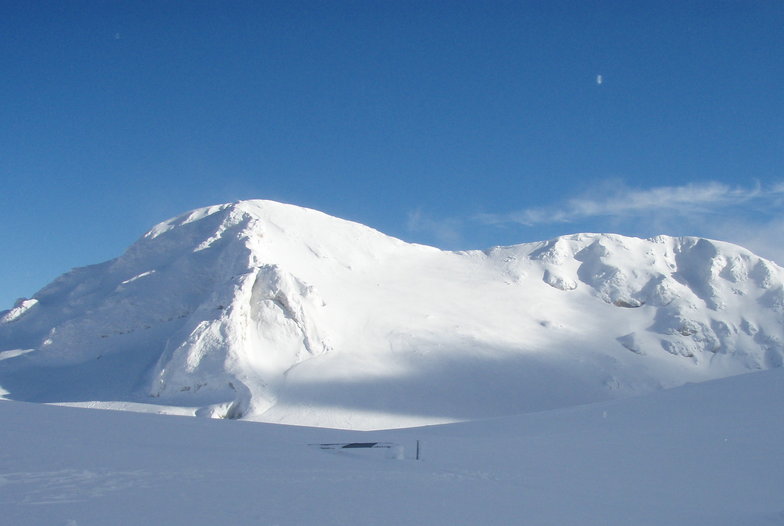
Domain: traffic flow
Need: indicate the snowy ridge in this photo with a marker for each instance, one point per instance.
(273, 312)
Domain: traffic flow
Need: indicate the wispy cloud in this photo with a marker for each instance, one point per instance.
(620, 201)
(751, 216)
(444, 232)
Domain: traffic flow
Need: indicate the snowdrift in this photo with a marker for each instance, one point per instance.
(270, 312)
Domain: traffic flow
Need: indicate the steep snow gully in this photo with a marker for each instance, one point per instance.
(271, 312)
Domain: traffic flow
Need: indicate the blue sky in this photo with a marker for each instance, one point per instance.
(456, 124)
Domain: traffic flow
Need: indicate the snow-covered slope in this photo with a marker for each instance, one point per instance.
(707, 454)
(272, 312)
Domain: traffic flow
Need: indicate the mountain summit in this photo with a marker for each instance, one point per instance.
(272, 312)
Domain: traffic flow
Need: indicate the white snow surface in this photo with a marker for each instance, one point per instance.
(275, 313)
(705, 454)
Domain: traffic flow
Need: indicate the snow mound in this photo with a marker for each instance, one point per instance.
(265, 311)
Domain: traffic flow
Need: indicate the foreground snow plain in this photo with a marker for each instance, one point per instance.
(703, 454)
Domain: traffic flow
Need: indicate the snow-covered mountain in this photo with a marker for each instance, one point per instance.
(272, 312)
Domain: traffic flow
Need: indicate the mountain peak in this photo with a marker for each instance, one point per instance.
(261, 310)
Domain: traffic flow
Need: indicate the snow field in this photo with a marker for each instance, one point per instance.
(704, 454)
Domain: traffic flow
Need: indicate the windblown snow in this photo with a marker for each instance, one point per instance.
(275, 313)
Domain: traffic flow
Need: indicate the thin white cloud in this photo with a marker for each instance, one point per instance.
(620, 201)
(750, 216)
(445, 232)
(777, 189)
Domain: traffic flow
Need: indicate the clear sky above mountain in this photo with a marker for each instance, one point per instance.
(457, 124)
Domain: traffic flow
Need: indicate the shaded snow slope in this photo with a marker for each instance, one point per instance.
(272, 312)
(706, 454)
